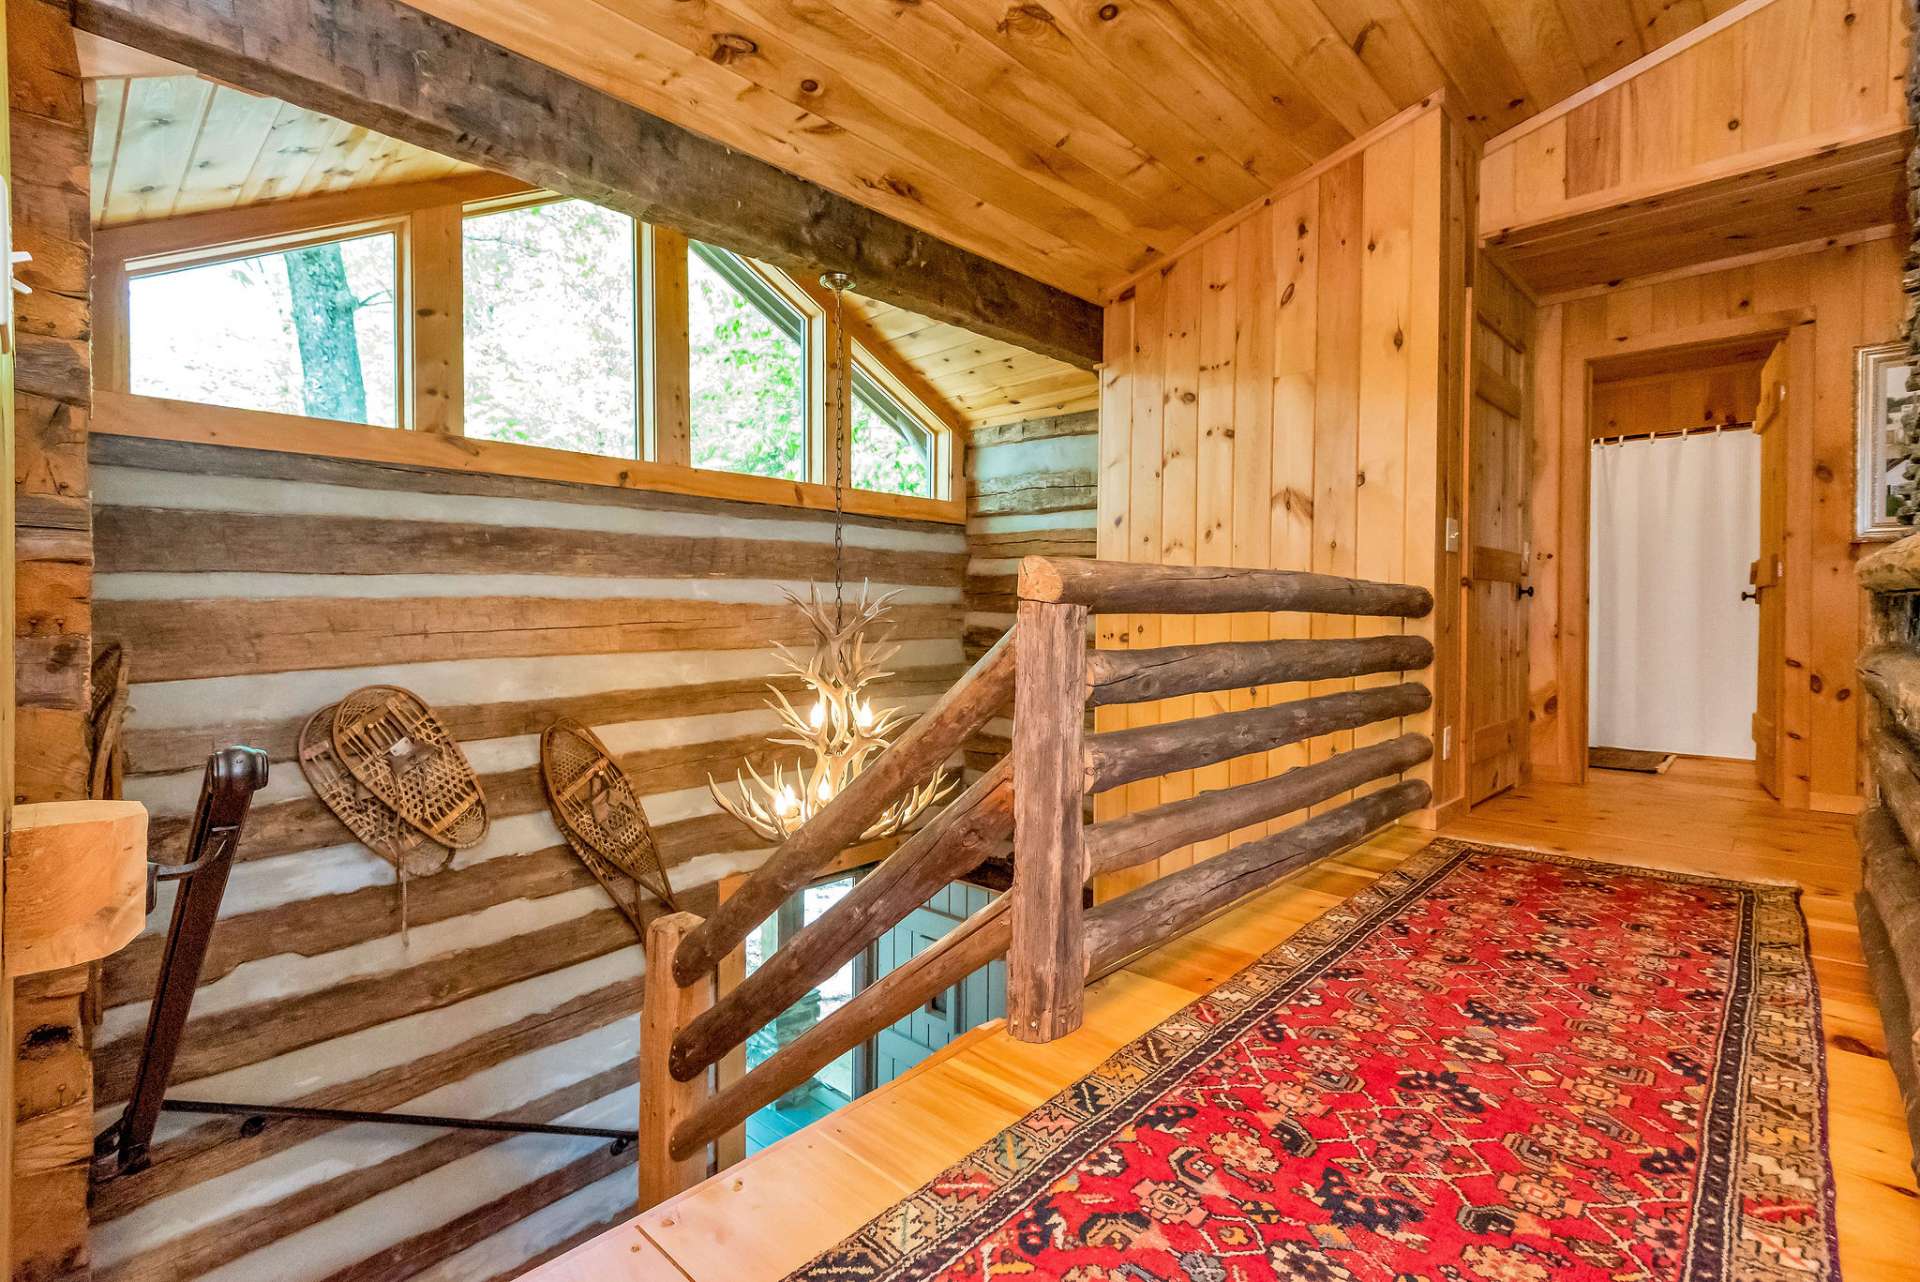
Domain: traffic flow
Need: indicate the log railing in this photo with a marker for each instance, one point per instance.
(1034, 800)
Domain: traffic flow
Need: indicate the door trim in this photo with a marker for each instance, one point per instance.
(1572, 604)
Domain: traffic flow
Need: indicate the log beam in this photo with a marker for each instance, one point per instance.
(955, 842)
(1119, 587)
(392, 68)
(1891, 675)
(1175, 904)
(1148, 834)
(980, 939)
(937, 735)
(1135, 676)
(664, 1102)
(1047, 962)
(1122, 756)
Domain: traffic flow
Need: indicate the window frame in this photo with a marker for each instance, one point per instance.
(399, 227)
(939, 434)
(815, 467)
(418, 214)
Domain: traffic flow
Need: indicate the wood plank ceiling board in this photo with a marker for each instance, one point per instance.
(982, 380)
(1076, 141)
(166, 146)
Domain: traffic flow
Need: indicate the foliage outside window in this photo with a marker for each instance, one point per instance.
(748, 383)
(550, 328)
(308, 331)
(893, 450)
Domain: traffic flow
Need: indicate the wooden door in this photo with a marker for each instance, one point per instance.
(1498, 586)
(1770, 422)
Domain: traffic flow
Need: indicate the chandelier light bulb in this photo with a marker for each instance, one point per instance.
(819, 714)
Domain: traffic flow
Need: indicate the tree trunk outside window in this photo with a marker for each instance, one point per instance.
(323, 312)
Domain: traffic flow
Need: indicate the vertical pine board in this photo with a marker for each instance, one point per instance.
(1296, 247)
(1386, 303)
(1252, 454)
(1214, 479)
(1336, 407)
(1430, 293)
(1179, 484)
(1143, 512)
(1112, 631)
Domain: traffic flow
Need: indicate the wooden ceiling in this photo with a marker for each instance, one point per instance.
(1074, 140)
(981, 380)
(169, 145)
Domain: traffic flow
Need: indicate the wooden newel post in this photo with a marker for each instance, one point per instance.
(1047, 959)
(664, 1102)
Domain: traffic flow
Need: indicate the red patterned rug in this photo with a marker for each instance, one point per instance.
(1491, 1066)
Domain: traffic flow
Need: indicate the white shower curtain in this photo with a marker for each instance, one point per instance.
(1673, 649)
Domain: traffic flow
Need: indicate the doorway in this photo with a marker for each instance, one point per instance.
(1679, 503)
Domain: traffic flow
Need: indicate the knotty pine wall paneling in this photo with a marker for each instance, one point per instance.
(1851, 296)
(1288, 394)
(254, 587)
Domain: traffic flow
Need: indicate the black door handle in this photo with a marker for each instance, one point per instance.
(1753, 596)
(1519, 591)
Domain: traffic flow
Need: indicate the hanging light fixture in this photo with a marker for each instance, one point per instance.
(841, 730)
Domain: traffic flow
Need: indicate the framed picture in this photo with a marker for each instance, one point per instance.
(1880, 391)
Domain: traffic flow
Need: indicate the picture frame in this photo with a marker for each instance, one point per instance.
(1880, 394)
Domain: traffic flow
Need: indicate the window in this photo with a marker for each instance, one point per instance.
(308, 330)
(840, 1081)
(550, 328)
(893, 450)
(748, 388)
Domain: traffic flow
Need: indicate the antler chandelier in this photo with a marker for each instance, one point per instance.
(843, 732)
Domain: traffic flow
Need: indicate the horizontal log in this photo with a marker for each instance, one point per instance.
(1175, 904)
(180, 540)
(393, 69)
(1119, 587)
(1891, 674)
(1148, 834)
(1134, 676)
(181, 639)
(973, 826)
(1122, 756)
(1896, 772)
(912, 759)
(980, 939)
(1895, 568)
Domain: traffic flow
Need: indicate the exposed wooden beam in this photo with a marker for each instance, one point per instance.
(394, 69)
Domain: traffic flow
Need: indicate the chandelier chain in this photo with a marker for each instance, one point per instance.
(841, 429)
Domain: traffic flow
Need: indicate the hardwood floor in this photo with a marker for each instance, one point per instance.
(773, 1212)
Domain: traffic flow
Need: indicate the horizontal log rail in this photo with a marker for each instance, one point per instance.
(980, 939)
(1148, 917)
(1124, 756)
(1119, 587)
(937, 735)
(1134, 839)
(1135, 676)
(972, 827)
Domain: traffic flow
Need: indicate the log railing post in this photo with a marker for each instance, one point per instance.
(665, 1102)
(1047, 958)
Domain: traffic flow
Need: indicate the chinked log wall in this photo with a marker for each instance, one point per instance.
(1035, 796)
(254, 587)
(1030, 492)
(1889, 900)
